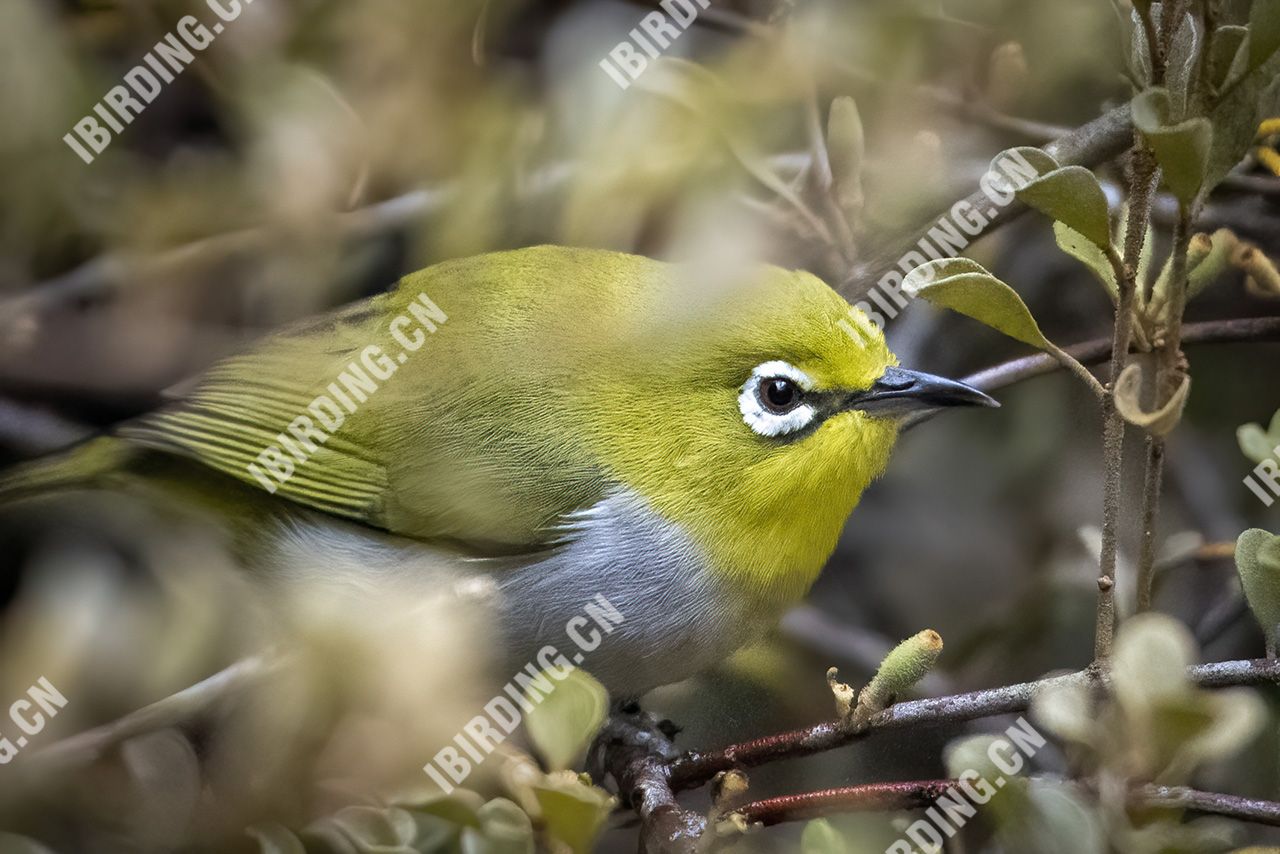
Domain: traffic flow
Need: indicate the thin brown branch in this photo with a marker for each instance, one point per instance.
(1169, 377)
(1153, 474)
(1142, 187)
(1097, 350)
(921, 794)
(693, 769)
(1212, 803)
(872, 797)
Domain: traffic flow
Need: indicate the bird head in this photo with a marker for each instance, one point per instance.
(761, 412)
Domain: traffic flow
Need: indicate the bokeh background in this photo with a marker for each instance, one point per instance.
(319, 149)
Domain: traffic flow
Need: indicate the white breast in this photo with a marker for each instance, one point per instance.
(676, 620)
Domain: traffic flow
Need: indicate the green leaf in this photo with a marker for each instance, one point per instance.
(1235, 717)
(970, 754)
(1228, 57)
(1254, 443)
(1037, 158)
(1258, 444)
(1149, 664)
(572, 811)
(846, 149)
(820, 837)
(1184, 51)
(1139, 51)
(1264, 31)
(504, 829)
(1072, 196)
(460, 807)
(1088, 253)
(1182, 148)
(964, 286)
(1066, 711)
(1236, 115)
(1258, 562)
(1128, 395)
(563, 725)
(1063, 823)
(375, 831)
(272, 838)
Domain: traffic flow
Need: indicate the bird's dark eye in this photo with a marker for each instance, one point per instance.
(779, 395)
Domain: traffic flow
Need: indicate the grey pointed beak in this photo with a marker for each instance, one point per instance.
(900, 392)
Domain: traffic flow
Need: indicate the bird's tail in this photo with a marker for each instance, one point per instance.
(79, 465)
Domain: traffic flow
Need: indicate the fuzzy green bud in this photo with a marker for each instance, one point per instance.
(901, 669)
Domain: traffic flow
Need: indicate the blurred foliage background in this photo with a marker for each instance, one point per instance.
(318, 149)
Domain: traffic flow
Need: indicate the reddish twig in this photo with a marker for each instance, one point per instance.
(872, 797)
(921, 794)
(693, 769)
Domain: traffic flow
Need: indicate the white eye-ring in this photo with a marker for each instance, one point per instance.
(772, 399)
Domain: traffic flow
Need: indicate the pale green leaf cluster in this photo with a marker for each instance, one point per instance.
(461, 821)
(1156, 726)
(559, 811)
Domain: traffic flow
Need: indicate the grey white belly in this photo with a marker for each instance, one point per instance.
(675, 618)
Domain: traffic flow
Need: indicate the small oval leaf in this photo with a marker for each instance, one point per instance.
(1254, 443)
(1182, 148)
(964, 286)
(1264, 31)
(1072, 196)
(1088, 253)
(1258, 562)
(846, 149)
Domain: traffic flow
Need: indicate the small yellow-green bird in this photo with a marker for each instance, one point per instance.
(558, 422)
